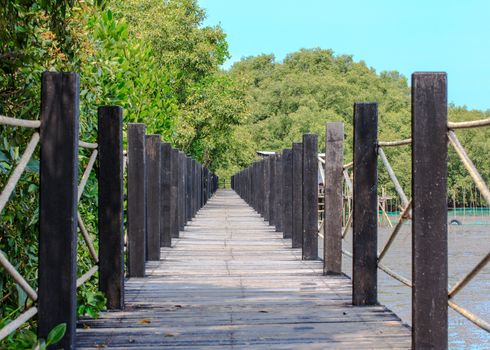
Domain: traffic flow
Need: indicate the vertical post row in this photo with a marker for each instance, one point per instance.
(287, 187)
(111, 206)
(153, 211)
(165, 194)
(174, 193)
(58, 204)
(429, 226)
(334, 161)
(297, 195)
(136, 200)
(365, 211)
(310, 197)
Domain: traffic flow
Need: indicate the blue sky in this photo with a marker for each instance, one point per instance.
(403, 35)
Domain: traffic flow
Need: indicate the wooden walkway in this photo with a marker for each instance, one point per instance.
(231, 282)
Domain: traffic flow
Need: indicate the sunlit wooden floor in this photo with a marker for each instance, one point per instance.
(231, 282)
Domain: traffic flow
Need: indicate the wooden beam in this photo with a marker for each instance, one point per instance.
(111, 206)
(365, 212)
(153, 211)
(165, 194)
(429, 225)
(136, 200)
(297, 195)
(310, 197)
(333, 199)
(287, 193)
(57, 301)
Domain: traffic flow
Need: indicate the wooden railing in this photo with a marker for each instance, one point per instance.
(283, 188)
(166, 188)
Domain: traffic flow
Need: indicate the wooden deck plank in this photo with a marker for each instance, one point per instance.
(231, 282)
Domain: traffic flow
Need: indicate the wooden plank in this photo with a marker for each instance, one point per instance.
(111, 206)
(310, 197)
(365, 211)
(58, 204)
(136, 200)
(429, 226)
(333, 199)
(231, 281)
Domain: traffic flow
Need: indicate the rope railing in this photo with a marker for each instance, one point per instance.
(406, 207)
(6, 195)
(165, 190)
(9, 187)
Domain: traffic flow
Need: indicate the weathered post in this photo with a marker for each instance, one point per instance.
(267, 188)
(136, 200)
(194, 187)
(297, 195)
(310, 197)
(287, 193)
(272, 193)
(365, 211)
(165, 194)
(334, 159)
(188, 189)
(153, 211)
(429, 226)
(174, 193)
(111, 206)
(278, 211)
(183, 180)
(58, 204)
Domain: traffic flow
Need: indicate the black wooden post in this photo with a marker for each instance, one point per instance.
(136, 200)
(429, 226)
(153, 211)
(193, 188)
(174, 193)
(181, 194)
(58, 204)
(267, 188)
(165, 194)
(310, 197)
(278, 195)
(272, 194)
(188, 189)
(287, 194)
(365, 211)
(334, 161)
(111, 206)
(297, 195)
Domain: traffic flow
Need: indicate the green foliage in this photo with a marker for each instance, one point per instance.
(312, 87)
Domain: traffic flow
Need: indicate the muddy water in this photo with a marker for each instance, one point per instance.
(468, 244)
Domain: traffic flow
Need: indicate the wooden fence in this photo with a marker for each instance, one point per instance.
(165, 189)
(283, 188)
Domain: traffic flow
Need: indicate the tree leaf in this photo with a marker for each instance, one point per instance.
(56, 334)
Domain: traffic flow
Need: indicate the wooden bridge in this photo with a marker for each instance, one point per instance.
(193, 267)
(231, 281)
